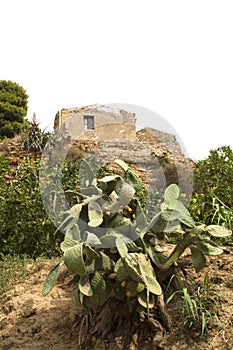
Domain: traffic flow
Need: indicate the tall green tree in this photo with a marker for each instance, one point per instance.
(13, 108)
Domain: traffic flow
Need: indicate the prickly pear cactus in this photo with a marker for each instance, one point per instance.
(126, 194)
(112, 248)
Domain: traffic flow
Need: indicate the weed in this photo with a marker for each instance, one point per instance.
(199, 310)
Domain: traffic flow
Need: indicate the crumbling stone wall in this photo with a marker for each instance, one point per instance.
(109, 123)
(15, 155)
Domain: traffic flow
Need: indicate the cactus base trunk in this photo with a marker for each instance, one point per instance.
(133, 330)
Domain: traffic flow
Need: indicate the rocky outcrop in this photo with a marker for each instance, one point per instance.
(155, 155)
(159, 164)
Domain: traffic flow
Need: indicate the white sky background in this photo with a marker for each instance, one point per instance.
(172, 57)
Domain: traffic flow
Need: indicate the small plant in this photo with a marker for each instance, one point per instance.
(114, 251)
(199, 310)
(34, 140)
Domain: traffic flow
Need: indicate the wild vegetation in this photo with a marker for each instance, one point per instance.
(116, 254)
(115, 240)
(212, 201)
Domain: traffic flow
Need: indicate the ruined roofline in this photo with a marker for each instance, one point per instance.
(97, 106)
(98, 110)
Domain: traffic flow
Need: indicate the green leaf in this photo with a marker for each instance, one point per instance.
(86, 175)
(51, 279)
(109, 240)
(89, 191)
(90, 253)
(184, 215)
(145, 301)
(169, 215)
(141, 220)
(126, 194)
(131, 246)
(84, 285)
(92, 240)
(198, 230)
(110, 178)
(218, 231)
(122, 164)
(73, 233)
(102, 263)
(120, 270)
(134, 180)
(107, 263)
(132, 266)
(73, 258)
(67, 244)
(66, 224)
(209, 249)
(120, 220)
(153, 256)
(98, 283)
(76, 209)
(100, 289)
(171, 195)
(148, 275)
(151, 224)
(199, 260)
(178, 211)
(95, 214)
(121, 247)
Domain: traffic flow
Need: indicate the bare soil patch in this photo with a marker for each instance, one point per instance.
(30, 321)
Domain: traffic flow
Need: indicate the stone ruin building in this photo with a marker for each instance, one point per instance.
(109, 133)
(97, 123)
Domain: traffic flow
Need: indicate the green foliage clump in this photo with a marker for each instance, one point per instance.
(13, 109)
(214, 175)
(212, 202)
(113, 250)
(24, 225)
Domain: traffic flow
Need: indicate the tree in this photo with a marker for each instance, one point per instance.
(13, 108)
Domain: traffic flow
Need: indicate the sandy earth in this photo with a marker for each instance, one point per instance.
(30, 321)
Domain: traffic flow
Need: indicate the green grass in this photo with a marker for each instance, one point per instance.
(13, 269)
(200, 310)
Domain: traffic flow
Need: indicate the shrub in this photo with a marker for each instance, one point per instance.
(213, 176)
(212, 202)
(24, 225)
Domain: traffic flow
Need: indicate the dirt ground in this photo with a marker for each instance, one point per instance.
(30, 321)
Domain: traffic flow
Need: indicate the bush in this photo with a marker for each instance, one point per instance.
(213, 176)
(24, 225)
(212, 202)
